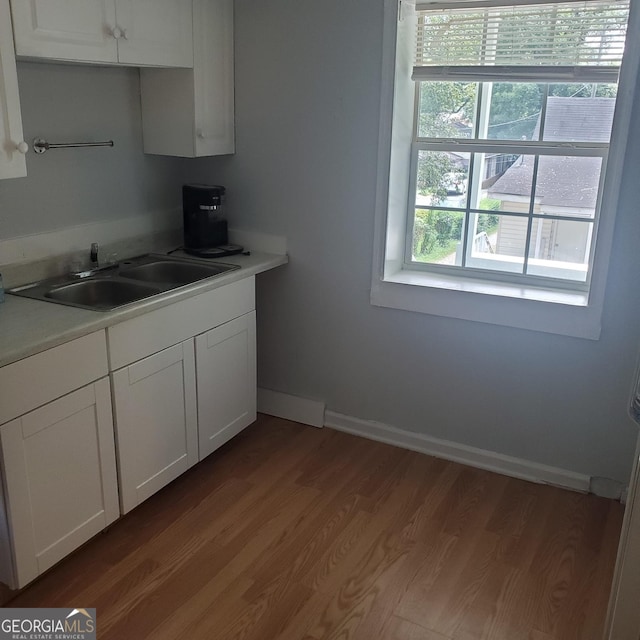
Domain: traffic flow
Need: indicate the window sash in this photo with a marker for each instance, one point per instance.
(539, 149)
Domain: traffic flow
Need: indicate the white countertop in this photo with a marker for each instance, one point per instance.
(29, 326)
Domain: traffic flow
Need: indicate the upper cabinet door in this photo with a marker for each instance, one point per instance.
(213, 77)
(155, 32)
(190, 113)
(79, 30)
(12, 145)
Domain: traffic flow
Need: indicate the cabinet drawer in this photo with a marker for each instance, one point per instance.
(34, 381)
(147, 334)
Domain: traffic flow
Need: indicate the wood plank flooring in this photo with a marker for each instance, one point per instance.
(295, 533)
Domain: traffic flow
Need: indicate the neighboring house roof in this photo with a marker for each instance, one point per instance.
(578, 119)
(564, 181)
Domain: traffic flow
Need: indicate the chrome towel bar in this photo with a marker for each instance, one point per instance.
(40, 145)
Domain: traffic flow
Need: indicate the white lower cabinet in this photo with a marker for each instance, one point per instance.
(181, 380)
(60, 486)
(155, 420)
(173, 409)
(226, 373)
(184, 383)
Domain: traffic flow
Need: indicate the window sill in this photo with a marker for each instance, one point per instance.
(488, 287)
(537, 309)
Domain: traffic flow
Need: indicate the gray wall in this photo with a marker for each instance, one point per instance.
(308, 91)
(72, 187)
(307, 130)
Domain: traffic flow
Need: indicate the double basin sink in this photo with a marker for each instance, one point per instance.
(108, 288)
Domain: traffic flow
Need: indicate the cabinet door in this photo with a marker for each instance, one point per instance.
(155, 32)
(79, 30)
(155, 416)
(213, 77)
(190, 113)
(60, 478)
(226, 366)
(12, 145)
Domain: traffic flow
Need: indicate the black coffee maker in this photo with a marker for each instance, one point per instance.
(205, 227)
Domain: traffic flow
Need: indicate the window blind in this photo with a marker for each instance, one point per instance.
(572, 39)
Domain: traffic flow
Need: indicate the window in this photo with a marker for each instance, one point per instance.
(502, 125)
(507, 168)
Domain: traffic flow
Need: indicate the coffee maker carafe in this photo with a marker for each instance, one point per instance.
(205, 227)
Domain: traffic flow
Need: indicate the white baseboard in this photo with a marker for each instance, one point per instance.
(283, 405)
(471, 456)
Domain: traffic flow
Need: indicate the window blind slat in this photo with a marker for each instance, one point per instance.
(571, 33)
(430, 5)
(540, 74)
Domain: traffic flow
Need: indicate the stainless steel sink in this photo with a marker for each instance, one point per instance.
(114, 286)
(101, 294)
(174, 272)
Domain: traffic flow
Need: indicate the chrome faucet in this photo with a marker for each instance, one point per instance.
(93, 256)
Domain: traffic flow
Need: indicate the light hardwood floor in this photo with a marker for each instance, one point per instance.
(294, 533)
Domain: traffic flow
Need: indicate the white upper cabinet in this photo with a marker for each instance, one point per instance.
(184, 46)
(155, 32)
(214, 77)
(135, 32)
(190, 113)
(66, 29)
(12, 145)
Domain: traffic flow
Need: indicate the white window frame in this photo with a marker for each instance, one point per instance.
(396, 285)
